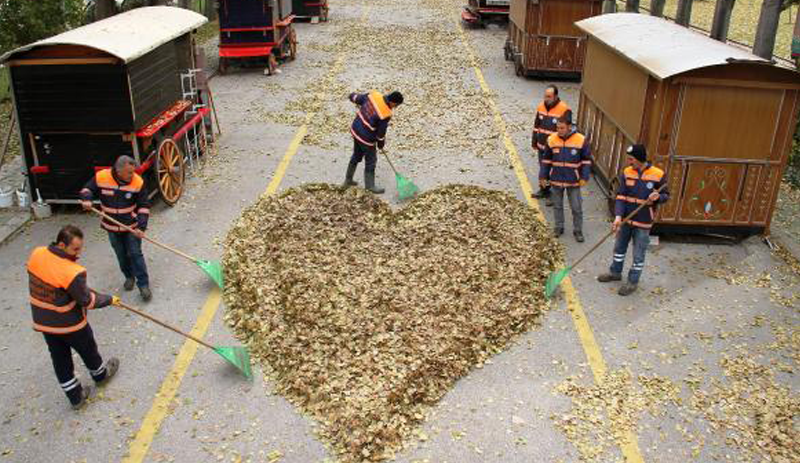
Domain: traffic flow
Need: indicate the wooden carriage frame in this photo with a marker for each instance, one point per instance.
(718, 119)
(283, 47)
(543, 40)
(144, 105)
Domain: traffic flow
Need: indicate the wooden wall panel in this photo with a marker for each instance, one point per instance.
(603, 71)
(711, 192)
(744, 206)
(726, 122)
(559, 16)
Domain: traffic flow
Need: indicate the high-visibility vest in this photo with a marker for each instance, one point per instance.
(547, 120)
(49, 278)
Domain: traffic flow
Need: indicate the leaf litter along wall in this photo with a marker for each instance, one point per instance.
(364, 317)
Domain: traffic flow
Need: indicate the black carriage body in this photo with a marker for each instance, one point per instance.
(310, 8)
(251, 22)
(76, 118)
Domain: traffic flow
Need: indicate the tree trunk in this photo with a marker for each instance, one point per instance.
(184, 4)
(632, 6)
(764, 43)
(210, 8)
(657, 8)
(104, 9)
(722, 20)
(684, 13)
(796, 40)
(609, 6)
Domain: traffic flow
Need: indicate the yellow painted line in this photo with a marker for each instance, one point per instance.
(151, 424)
(629, 444)
(158, 411)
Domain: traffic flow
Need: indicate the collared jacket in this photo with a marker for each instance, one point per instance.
(59, 295)
(545, 123)
(634, 189)
(126, 202)
(566, 161)
(372, 118)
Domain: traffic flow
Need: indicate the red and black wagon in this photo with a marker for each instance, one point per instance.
(125, 85)
(256, 31)
(314, 10)
(478, 13)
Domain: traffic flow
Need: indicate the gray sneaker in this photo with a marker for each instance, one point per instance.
(112, 366)
(87, 392)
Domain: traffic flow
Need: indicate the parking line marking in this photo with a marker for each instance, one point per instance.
(629, 445)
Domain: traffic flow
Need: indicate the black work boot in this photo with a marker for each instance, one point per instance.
(542, 193)
(146, 294)
(86, 393)
(369, 183)
(609, 277)
(348, 178)
(129, 282)
(558, 232)
(627, 289)
(112, 366)
(579, 236)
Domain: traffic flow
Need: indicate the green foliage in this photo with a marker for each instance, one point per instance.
(792, 174)
(26, 21)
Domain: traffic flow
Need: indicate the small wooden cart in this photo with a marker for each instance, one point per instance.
(718, 119)
(257, 31)
(480, 12)
(314, 10)
(542, 37)
(125, 85)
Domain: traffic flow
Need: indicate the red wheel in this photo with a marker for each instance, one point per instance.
(170, 171)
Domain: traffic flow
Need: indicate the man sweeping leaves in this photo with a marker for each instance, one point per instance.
(369, 131)
(60, 299)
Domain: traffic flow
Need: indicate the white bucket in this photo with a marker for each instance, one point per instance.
(6, 198)
(41, 210)
(23, 199)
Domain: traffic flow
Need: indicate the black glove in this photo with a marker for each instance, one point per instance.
(381, 144)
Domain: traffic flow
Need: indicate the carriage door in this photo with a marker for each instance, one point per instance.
(560, 44)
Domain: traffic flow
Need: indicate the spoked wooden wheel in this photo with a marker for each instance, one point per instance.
(292, 44)
(170, 171)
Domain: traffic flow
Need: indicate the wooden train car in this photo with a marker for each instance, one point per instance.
(718, 119)
(256, 31)
(542, 37)
(120, 86)
(315, 10)
(478, 13)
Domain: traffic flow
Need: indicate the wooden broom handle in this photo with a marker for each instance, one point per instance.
(389, 161)
(169, 327)
(144, 236)
(612, 232)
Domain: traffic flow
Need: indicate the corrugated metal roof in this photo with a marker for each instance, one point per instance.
(127, 35)
(660, 46)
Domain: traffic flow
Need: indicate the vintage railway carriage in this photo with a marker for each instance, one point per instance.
(542, 37)
(120, 86)
(479, 12)
(311, 9)
(718, 119)
(256, 30)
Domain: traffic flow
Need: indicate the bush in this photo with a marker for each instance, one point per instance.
(792, 175)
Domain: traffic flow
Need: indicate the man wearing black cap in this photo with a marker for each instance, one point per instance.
(639, 183)
(369, 130)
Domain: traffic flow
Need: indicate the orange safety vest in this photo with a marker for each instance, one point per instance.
(117, 201)
(54, 310)
(547, 119)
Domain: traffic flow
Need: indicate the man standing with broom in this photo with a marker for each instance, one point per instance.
(123, 197)
(369, 131)
(639, 184)
(60, 299)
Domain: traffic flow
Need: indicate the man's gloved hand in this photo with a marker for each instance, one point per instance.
(86, 205)
(582, 182)
(115, 300)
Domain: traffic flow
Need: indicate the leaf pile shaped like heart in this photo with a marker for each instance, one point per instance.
(365, 317)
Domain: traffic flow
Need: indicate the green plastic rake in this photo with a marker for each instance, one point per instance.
(556, 277)
(239, 357)
(211, 268)
(405, 187)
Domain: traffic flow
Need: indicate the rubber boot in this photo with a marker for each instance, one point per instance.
(369, 182)
(348, 178)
